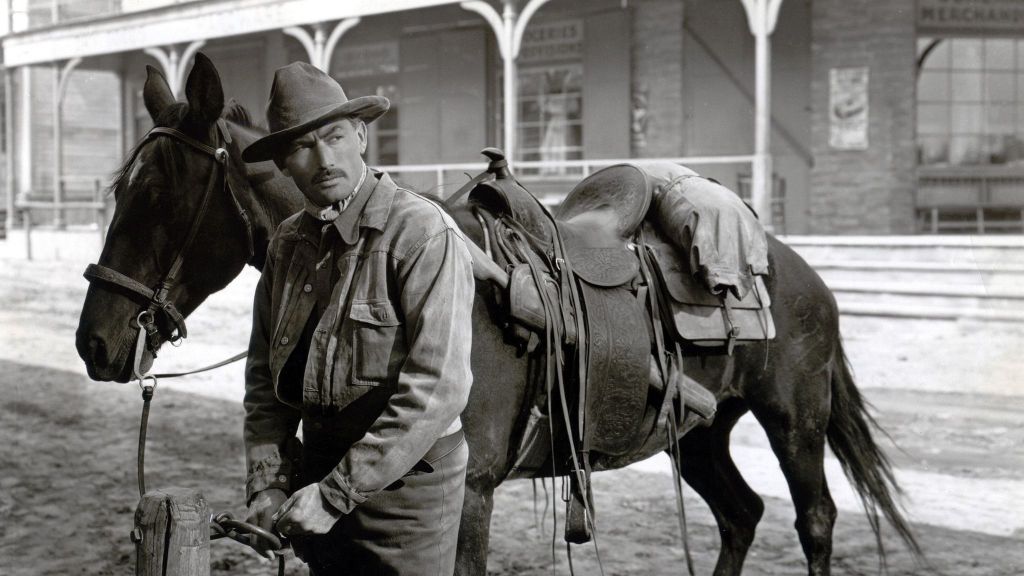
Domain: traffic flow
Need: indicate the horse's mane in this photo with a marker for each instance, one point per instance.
(236, 112)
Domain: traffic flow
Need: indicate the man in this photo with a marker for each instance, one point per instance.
(361, 331)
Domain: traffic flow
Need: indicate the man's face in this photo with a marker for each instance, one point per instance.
(326, 163)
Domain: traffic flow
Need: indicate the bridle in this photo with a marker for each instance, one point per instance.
(155, 299)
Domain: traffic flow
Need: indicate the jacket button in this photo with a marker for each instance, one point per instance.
(307, 288)
(284, 340)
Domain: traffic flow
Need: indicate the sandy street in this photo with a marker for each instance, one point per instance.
(947, 394)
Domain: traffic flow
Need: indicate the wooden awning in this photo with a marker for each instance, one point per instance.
(182, 23)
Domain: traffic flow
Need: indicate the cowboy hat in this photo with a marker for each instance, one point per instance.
(304, 98)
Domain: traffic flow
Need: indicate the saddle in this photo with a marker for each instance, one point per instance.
(586, 279)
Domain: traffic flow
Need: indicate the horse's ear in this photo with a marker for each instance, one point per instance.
(203, 91)
(156, 93)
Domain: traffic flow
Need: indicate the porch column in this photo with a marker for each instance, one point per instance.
(61, 73)
(320, 47)
(762, 16)
(509, 30)
(9, 140)
(175, 65)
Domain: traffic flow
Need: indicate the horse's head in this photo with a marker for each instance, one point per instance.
(177, 235)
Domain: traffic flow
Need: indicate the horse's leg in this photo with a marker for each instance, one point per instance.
(707, 467)
(474, 530)
(795, 417)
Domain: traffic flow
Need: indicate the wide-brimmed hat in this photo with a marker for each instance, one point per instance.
(304, 98)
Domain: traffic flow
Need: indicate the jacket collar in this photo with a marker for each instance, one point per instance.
(369, 209)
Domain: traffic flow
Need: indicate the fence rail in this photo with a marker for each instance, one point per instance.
(445, 176)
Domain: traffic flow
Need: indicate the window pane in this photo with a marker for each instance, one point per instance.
(933, 150)
(933, 86)
(1001, 119)
(933, 118)
(999, 54)
(1015, 150)
(999, 86)
(965, 150)
(967, 54)
(529, 112)
(966, 86)
(530, 83)
(967, 119)
(996, 147)
(529, 137)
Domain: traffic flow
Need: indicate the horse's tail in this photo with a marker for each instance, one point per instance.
(867, 467)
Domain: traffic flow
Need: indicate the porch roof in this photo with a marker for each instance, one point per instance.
(182, 23)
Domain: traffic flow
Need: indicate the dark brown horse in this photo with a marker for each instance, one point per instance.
(804, 396)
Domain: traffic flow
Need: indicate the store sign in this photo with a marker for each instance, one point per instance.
(353, 61)
(848, 108)
(958, 16)
(552, 42)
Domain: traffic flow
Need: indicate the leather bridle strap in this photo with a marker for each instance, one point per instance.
(157, 298)
(94, 272)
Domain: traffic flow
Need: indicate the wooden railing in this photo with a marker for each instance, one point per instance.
(970, 201)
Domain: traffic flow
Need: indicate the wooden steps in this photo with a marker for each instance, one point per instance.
(941, 277)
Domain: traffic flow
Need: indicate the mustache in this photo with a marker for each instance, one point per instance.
(327, 174)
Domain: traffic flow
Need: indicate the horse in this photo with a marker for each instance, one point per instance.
(207, 214)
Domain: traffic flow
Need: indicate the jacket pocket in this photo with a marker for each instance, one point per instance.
(376, 329)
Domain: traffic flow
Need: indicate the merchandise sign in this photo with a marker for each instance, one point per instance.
(552, 42)
(970, 16)
(848, 108)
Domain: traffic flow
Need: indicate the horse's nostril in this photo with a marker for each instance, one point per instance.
(98, 348)
(95, 351)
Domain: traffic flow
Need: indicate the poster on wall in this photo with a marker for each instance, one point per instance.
(848, 108)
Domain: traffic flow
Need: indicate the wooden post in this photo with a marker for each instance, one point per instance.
(9, 142)
(172, 534)
(26, 219)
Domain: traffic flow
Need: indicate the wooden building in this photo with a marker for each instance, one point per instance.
(871, 117)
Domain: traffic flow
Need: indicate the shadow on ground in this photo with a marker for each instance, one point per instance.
(68, 492)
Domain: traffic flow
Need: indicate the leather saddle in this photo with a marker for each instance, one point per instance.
(584, 260)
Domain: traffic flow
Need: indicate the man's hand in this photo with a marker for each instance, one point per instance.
(261, 513)
(306, 512)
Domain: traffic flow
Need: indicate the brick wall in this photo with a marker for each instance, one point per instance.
(657, 56)
(865, 191)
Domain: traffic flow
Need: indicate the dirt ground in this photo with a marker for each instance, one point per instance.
(947, 393)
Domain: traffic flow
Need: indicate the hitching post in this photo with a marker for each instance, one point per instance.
(172, 533)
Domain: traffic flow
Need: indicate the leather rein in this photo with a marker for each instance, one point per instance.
(156, 299)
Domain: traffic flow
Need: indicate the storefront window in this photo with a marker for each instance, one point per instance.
(368, 69)
(970, 102)
(550, 84)
(550, 115)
